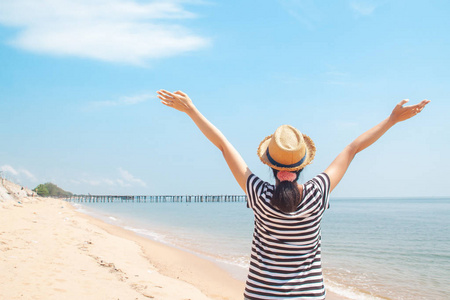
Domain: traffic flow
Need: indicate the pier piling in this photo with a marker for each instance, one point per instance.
(155, 198)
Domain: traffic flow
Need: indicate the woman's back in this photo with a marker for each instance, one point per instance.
(285, 259)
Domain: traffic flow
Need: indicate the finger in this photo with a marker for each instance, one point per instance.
(415, 106)
(419, 106)
(166, 94)
(166, 101)
(181, 93)
(162, 98)
(403, 102)
(423, 104)
(170, 94)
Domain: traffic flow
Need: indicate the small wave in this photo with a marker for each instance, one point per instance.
(80, 208)
(348, 292)
(241, 262)
(152, 235)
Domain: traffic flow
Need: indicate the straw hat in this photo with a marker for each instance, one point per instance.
(287, 149)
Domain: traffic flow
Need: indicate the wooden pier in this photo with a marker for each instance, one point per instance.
(156, 199)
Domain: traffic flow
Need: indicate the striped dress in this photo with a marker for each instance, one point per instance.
(285, 262)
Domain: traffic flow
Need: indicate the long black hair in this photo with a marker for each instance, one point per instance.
(286, 196)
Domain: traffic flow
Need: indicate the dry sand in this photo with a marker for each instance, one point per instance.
(48, 250)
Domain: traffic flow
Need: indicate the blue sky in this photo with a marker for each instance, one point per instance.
(78, 82)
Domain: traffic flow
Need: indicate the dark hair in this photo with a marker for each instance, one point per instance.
(286, 196)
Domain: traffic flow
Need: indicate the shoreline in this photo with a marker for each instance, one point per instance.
(49, 250)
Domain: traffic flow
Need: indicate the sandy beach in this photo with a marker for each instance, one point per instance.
(48, 250)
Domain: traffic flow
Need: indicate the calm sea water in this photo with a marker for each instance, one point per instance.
(372, 248)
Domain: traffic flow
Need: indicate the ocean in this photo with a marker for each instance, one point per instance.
(371, 248)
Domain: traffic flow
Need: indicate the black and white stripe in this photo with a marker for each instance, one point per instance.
(286, 260)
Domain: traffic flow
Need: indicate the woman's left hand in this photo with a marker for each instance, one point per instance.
(178, 100)
(402, 113)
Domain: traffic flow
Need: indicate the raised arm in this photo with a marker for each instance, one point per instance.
(180, 101)
(340, 165)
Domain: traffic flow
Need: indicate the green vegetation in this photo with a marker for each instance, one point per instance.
(51, 190)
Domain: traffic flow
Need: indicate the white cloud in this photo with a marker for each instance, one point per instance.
(109, 182)
(136, 99)
(125, 179)
(28, 174)
(128, 178)
(364, 8)
(122, 183)
(8, 170)
(123, 31)
(128, 100)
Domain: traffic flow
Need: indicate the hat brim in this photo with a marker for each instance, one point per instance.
(311, 152)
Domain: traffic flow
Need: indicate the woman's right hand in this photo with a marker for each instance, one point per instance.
(178, 100)
(402, 113)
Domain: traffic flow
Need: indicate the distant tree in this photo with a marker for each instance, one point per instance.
(52, 190)
(41, 190)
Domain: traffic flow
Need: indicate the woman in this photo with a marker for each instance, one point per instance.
(286, 256)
